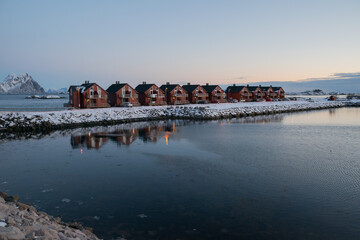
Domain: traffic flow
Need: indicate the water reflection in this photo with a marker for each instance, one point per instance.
(334, 117)
(124, 134)
(148, 132)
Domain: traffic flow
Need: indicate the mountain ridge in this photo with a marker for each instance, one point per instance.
(20, 84)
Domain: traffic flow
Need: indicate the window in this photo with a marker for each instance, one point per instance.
(130, 91)
(99, 91)
(91, 91)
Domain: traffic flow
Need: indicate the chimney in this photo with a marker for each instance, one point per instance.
(144, 82)
(271, 86)
(234, 85)
(207, 84)
(167, 83)
(117, 82)
(86, 82)
(259, 85)
(188, 83)
(247, 85)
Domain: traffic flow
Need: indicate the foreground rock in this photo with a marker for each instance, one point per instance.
(21, 221)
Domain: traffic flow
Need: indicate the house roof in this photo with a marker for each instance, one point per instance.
(252, 88)
(74, 87)
(265, 88)
(141, 88)
(234, 89)
(209, 88)
(87, 85)
(276, 88)
(190, 88)
(115, 87)
(169, 87)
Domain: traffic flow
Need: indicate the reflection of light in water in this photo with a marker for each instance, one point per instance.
(229, 122)
(173, 126)
(81, 151)
(221, 124)
(167, 139)
(133, 130)
(149, 129)
(89, 134)
(166, 136)
(263, 122)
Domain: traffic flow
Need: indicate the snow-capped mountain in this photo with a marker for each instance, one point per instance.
(20, 84)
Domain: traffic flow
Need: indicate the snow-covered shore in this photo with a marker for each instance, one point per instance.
(38, 121)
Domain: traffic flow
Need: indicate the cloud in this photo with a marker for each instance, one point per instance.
(347, 75)
(334, 76)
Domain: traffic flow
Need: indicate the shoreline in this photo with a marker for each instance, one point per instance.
(22, 221)
(69, 119)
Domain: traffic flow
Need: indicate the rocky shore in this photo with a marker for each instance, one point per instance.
(47, 121)
(21, 221)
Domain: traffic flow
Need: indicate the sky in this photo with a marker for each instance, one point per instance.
(218, 42)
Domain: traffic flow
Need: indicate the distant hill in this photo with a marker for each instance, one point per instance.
(57, 91)
(22, 84)
(340, 83)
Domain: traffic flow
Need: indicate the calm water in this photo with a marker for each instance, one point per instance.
(19, 103)
(294, 176)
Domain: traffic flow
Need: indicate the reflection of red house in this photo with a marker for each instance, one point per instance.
(257, 93)
(196, 93)
(216, 93)
(88, 140)
(150, 94)
(120, 93)
(174, 94)
(87, 95)
(240, 93)
(125, 137)
(280, 93)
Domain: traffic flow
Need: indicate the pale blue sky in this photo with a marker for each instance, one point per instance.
(66, 42)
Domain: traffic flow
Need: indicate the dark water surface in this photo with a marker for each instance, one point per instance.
(294, 176)
(20, 104)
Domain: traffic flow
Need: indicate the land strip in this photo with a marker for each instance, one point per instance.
(57, 120)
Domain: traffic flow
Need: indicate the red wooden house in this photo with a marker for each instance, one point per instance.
(88, 95)
(257, 93)
(216, 93)
(174, 94)
(150, 95)
(279, 91)
(268, 92)
(196, 93)
(120, 93)
(240, 93)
